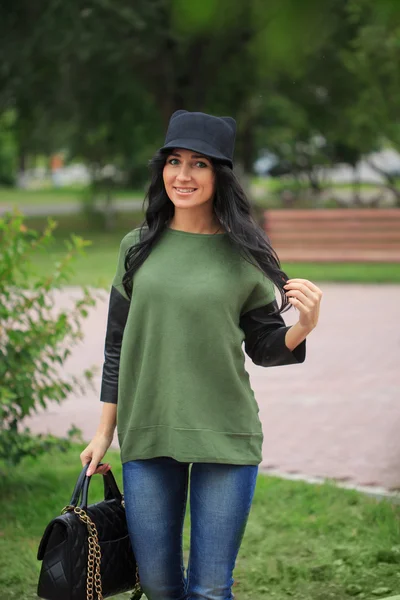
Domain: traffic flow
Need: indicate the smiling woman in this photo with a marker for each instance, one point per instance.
(189, 182)
(182, 302)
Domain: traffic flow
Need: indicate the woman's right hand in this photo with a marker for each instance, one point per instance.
(94, 452)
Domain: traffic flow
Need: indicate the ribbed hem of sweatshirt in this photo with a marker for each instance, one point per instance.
(150, 442)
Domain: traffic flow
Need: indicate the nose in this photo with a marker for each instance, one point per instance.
(184, 173)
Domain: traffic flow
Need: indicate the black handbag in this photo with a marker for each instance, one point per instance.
(86, 552)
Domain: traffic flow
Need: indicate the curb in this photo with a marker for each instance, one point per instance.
(379, 493)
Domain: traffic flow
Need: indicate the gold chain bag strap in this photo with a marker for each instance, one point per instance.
(73, 564)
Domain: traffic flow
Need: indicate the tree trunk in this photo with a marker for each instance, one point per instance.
(244, 178)
(356, 189)
(109, 210)
(22, 162)
(390, 181)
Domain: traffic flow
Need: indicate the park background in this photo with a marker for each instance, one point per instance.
(86, 92)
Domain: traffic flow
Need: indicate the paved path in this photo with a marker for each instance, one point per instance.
(66, 208)
(336, 416)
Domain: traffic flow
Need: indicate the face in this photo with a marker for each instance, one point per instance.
(188, 178)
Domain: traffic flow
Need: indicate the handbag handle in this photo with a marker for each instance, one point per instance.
(78, 486)
(81, 490)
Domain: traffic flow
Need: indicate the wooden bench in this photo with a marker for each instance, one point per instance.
(334, 235)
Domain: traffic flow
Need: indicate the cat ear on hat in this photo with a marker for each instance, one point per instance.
(231, 122)
(177, 113)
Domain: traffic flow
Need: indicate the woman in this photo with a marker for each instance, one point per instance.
(193, 283)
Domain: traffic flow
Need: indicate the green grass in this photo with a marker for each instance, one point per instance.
(276, 183)
(302, 541)
(97, 267)
(345, 272)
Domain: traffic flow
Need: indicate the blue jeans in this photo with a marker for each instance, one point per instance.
(156, 492)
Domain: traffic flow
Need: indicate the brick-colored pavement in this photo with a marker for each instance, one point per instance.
(336, 416)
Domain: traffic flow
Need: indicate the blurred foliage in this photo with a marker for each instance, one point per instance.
(34, 341)
(8, 148)
(314, 83)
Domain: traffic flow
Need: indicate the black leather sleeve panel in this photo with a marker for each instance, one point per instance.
(265, 338)
(117, 315)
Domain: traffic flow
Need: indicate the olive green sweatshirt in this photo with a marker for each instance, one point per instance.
(174, 358)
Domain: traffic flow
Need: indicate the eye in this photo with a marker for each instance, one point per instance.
(201, 164)
(173, 161)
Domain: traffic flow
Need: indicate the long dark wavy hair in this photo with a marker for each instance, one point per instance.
(232, 209)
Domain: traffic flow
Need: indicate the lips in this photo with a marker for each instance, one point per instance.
(185, 190)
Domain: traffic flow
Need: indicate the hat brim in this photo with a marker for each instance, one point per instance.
(198, 146)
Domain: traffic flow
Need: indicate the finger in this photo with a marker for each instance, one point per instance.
(310, 303)
(299, 305)
(308, 285)
(294, 302)
(103, 469)
(85, 458)
(93, 465)
(306, 282)
(303, 288)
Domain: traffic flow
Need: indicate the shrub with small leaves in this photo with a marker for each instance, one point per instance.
(35, 338)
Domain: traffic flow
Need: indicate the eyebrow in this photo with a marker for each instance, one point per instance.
(193, 155)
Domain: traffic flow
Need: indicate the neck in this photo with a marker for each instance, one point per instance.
(185, 220)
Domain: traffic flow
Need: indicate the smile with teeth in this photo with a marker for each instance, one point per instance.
(185, 190)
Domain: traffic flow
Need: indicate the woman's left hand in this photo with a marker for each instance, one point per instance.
(305, 296)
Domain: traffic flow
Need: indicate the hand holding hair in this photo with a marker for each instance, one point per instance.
(306, 297)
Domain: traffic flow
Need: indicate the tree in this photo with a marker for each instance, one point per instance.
(373, 61)
(106, 76)
(31, 86)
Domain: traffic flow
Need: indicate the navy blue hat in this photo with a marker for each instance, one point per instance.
(206, 134)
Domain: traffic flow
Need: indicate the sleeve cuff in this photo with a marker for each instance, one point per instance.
(278, 354)
(290, 357)
(109, 393)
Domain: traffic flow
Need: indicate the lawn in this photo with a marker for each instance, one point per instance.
(272, 184)
(302, 541)
(345, 272)
(97, 267)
